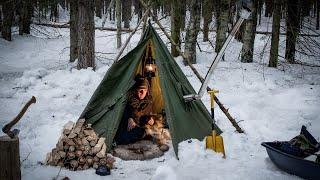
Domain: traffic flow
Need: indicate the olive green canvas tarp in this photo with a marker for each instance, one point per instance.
(105, 108)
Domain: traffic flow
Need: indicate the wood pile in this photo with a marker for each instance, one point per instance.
(79, 148)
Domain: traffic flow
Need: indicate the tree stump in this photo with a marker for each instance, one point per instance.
(9, 158)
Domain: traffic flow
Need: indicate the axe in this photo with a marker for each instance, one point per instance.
(7, 128)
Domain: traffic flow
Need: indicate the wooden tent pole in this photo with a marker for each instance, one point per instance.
(224, 110)
(132, 33)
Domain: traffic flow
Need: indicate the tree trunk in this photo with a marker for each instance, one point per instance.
(25, 16)
(207, 10)
(118, 12)
(86, 34)
(222, 22)
(7, 10)
(273, 61)
(268, 8)
(249, 33)
(54, 14)
(74, 25)
(9, 158)
(183, 14)
(98, 7)
(293, 29)
(0, 20)
(318, 14)
(175, 26)
(192, 31)
(259, 11)
(126, 13)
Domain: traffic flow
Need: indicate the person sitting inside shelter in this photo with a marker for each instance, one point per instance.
(137, 113)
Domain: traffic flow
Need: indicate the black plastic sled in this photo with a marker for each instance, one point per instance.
(292, 164)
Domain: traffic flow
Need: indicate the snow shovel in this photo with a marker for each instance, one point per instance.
(214, 141)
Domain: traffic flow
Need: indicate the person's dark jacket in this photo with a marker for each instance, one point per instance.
(139, 111)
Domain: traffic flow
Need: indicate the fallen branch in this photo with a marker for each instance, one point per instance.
(68, 26)
(282, 34)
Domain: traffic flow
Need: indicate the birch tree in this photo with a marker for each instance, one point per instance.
(222, 22)
(207, 10)
(192, 31)
(249, 33)
(175, 25)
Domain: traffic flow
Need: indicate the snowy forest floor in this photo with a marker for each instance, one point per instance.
(271, 104)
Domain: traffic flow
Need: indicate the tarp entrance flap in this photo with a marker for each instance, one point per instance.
(186, 120)
(105, 108)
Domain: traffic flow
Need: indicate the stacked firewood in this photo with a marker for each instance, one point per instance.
(79, 148)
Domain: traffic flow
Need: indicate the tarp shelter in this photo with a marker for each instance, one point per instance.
(185, 119)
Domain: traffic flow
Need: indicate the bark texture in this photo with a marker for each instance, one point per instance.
(273, 61)
(118, 16)
(86, 34)
(27, 11)
(126, 13)
(207, 10)
(74, 24)
(249, 33)
(318, 14)
(9, 158)
(175, 25)
(98, 7)
(0, 19)
(222, 22)
(7, 10)
(293, 28)
(192, 31)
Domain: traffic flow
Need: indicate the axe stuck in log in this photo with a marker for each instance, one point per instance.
(7, 128)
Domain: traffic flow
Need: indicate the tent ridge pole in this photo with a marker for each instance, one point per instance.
(132, 33)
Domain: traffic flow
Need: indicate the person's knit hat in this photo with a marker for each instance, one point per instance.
(141, 82)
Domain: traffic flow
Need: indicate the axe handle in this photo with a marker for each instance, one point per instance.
(6, 129)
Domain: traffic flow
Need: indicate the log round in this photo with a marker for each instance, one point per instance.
(9, 158)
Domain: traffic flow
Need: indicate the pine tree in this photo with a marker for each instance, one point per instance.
(74, 25)
(126, 13)
(293, 28)
(26, 11)
(98, 7)
(86, 34)
(118, 16)
(273, 61)
(7, 10)
(317, 6)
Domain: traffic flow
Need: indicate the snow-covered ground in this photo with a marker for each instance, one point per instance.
(270, 104)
